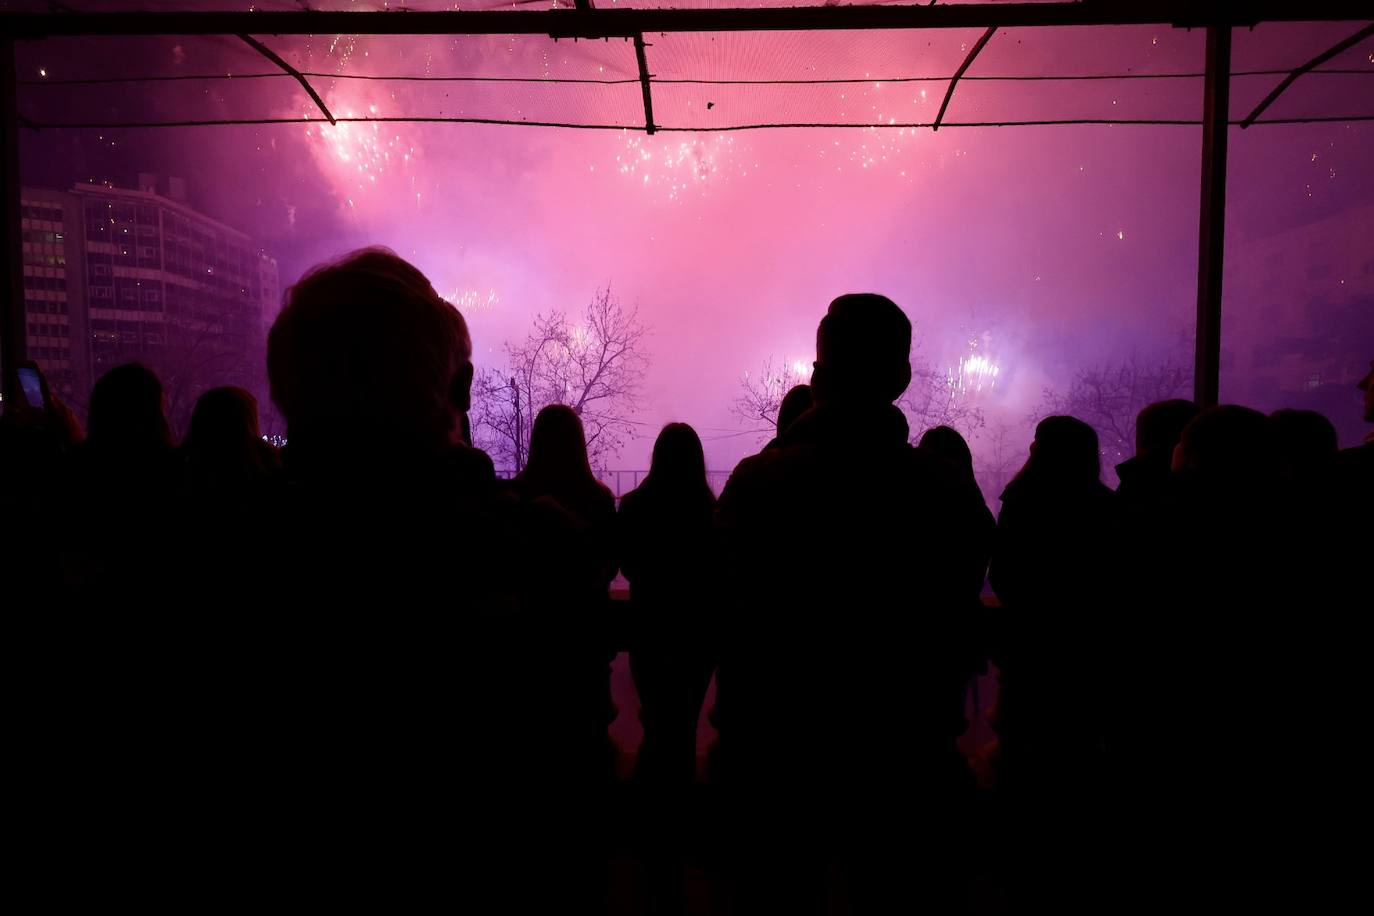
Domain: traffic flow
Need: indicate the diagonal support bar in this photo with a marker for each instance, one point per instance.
(1317, 61)
(949, 93)
(300, 78)
(649, 126)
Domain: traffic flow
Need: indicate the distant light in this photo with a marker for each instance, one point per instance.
(1121, 234)
(43, 73)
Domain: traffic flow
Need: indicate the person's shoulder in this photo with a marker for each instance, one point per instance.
(633, 501)
(1356, 464)
(756, 468)
(1357, 454)
(472, 464)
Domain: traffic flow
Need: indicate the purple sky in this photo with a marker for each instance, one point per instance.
(1054, 247)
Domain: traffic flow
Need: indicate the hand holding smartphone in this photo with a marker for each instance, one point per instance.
(33, 386)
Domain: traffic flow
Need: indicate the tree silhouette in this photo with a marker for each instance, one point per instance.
(595, 366)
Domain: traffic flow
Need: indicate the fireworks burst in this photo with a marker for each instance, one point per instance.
(366, 150)
(677, 168)
(473, 300)
(976, 372)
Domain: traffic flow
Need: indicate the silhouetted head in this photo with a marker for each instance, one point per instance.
(1366, 385)
(863, 351)
(678, 467)
(1063, 455)
(1227, 446)
(558, 450)
(1305, 442)
(796, 402)
(946, 442)
(128, 411)
(365, 351)
(224, 430)
(1159, 427)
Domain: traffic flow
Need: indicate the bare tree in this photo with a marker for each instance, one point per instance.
(933, 400)
(1108, 397)
(595, 366)
(930, 400)
(196, 355)
(998, 457)
(764, 391)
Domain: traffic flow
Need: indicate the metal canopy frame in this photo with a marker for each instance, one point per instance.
(626, 23)
(585, 21)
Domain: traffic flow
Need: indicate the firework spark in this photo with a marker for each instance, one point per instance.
(679, 168)
(974, 374)
(473, 300)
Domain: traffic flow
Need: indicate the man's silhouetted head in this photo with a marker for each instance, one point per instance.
(1227, 446)
(128, 410)
(1063, 454)
(1159, 427)
(366, 352)
(863, 351)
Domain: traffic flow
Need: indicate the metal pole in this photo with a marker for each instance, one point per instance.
(519, 427)
(13, 328)
(644, 84)
(1212, 216)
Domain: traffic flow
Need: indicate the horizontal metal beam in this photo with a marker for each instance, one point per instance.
(625, 23)
(780, 125)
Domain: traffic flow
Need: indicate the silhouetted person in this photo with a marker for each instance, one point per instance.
(568, 665)
(558, 469)
(667, 538)
(1356, 471)
(667, 550)
(449, 681)
(796, 402)
(123, 697)
(841, 681)
(1145, 476)
(122, 486)
(949, 445)
(35, 442)
(227, 495)
(1306, 443)
(1345, 663)
(1235, 661)
(1146, 501)
(1053, 571)
(224, 455)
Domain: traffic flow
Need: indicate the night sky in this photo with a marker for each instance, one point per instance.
(1038, 249)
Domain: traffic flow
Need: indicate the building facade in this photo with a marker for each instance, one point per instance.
(121, 275)
(1298, 324)
(54, 291)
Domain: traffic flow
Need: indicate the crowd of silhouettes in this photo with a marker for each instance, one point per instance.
(363, 669)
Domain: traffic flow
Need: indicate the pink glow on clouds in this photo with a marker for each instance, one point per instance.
(1053, 247)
